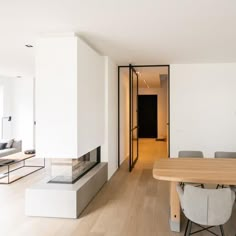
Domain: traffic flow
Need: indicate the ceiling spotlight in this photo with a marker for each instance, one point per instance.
(29, 45)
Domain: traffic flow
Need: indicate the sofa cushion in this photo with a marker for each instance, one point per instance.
(9, 151)
(3, 146)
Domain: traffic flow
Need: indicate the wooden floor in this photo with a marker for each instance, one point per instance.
(130, 204)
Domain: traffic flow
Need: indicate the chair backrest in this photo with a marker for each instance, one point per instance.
(197, 154)
(207, 206)
(225, 154)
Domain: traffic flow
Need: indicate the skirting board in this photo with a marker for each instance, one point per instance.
(64, 200)
(161, 139)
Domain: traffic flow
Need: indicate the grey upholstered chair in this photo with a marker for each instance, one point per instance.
(206, 207)
(233, 188)
(225, 155)
(191, 154)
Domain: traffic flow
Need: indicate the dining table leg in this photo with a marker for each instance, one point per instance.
(174, 208)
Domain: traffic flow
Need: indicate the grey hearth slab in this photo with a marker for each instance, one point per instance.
(64, 200)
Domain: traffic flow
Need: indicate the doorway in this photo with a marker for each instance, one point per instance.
(143, 112)
(147, 116)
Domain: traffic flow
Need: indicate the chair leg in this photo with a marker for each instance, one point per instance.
(186, 229)
(190, 228)
(222, 230)
(220, 185)
(202, 185)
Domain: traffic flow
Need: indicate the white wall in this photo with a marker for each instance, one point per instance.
(1, 105)
(90, 98)
(110, 148)
(124, 115)
(6, 84)
(18, 103)
(56, 97)
(202, 108)
(70, 97)
(23, 111)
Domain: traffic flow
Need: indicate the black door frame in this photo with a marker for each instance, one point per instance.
(132, 158)
(127, 66)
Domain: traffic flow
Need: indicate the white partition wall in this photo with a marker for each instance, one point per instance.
(76, 112)
(69, 97)
(90, 98)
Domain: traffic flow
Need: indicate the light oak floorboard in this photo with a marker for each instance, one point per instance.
(130, 204)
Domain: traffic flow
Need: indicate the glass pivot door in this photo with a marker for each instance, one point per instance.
(133, 117)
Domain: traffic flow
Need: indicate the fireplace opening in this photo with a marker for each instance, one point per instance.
(68, 171)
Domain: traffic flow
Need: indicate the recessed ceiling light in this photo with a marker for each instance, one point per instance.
(146, 83)
(29, 45)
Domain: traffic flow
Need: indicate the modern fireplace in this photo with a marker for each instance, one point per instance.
(68, 171)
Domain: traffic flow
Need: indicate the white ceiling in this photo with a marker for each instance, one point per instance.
(130, 31)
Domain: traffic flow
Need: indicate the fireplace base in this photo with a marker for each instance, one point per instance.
(65, 200)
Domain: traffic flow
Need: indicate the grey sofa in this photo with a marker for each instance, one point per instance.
(16, 147)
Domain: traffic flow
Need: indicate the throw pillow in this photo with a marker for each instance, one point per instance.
(3, 146)
(10, 143)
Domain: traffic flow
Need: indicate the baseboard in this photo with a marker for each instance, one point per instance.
(163, 139)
